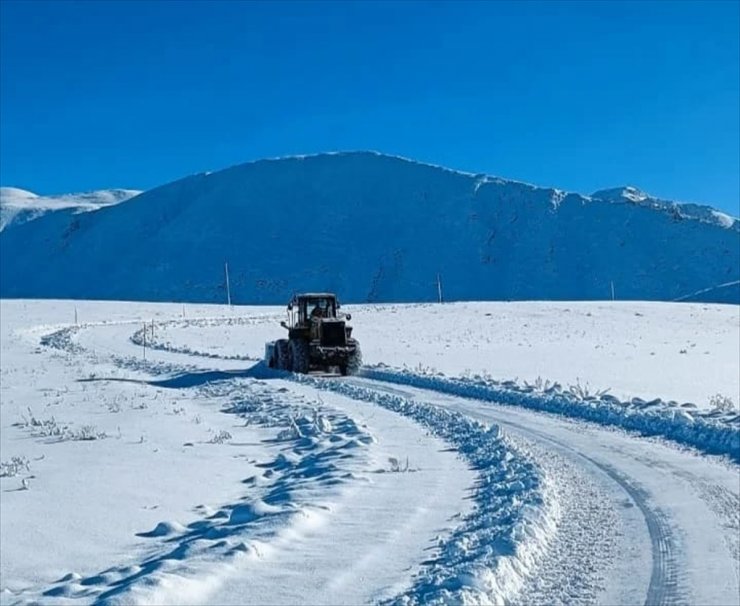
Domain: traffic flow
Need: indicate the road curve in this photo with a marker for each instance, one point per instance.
(679, 512)
(689, 504)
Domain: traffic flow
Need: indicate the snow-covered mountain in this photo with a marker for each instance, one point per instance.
(20, 206)
(374, 228)
(698, 212)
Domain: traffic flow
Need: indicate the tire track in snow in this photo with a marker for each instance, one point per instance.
(657, 593)
(499, 512)
(664, 586)
(664, 579)
(712, 433)
(724, 504)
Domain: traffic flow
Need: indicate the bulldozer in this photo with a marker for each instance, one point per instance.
(318, 338)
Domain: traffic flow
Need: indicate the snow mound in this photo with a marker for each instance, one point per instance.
(713, 432)
(243, 514)
(164, 529)
(491, 553)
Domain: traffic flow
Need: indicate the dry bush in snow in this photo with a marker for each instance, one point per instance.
(85, 433)
(43, 428)
(722, 402)
(220, 437)
(46, 428)
(584, 392)
(16, 465)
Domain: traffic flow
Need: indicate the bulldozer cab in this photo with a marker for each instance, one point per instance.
(309, 307)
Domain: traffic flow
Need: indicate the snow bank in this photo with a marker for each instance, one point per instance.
(683, 352)
(713, 432)
(146, 336)
(489, 556)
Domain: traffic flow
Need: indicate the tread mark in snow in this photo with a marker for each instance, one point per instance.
(664, 578)
(663, 587)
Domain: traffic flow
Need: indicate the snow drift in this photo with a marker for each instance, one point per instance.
(712, 432)
(374, 228)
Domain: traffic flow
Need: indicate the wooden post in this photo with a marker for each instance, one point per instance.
(228, 288)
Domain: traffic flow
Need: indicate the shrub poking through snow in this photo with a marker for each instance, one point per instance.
(44, 428)
(16, 465)
(220, 437)
(584, 392)
(398, 467)
(539, 384)
(85, 433)
(722, 402)
(51, 428)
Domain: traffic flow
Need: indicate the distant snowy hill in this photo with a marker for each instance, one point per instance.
(374, 228)
(698, 212)
(20, 206)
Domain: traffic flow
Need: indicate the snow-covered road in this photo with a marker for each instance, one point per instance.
(689, 505)
(392, 486)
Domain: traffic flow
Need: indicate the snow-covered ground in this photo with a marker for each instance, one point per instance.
(674, 351)
(186, 472)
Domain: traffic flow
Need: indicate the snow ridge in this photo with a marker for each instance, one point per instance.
(20, 206)
(679, 211)
(143, 337)
(492, 553)
(711, 432)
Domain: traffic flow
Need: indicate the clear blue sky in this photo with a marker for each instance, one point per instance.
(580, 95)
